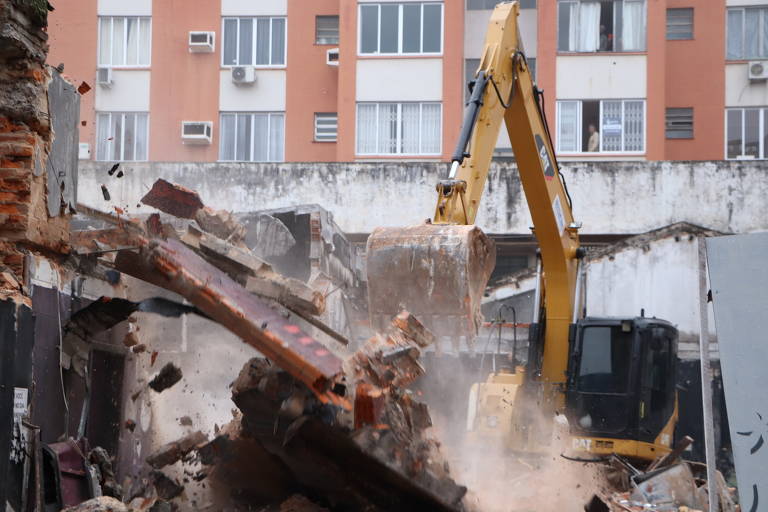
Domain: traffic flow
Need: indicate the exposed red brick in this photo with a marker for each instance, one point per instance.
(17, 149)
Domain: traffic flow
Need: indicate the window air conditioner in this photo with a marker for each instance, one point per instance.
(332, 57)
(201, 42)
(243, 75)
(104, 77)
(758, 70)
(196, 132)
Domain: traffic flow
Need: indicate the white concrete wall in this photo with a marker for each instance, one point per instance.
(739, 91)
(124, 7)
(129, 92)
(254, 7)
(476, 25)
(399, 80)
(601, 76)
(660, 277)
(267, 94)
(609, 197)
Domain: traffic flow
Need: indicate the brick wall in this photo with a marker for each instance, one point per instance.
(25, 139)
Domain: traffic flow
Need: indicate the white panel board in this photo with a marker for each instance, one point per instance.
(266, 95)
(129, 92)
(254, 7)
(585, 77)
(739, 91)
(124, 8)
(399, 80)
(739, 284)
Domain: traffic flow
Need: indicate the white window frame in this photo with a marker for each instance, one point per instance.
(761, 154)
(270, 115)
(763, 41)
(253, 42)
(399, 128)
(125, 42)
(326, 116)
(110, 143)
(399, 51)
(580, 124)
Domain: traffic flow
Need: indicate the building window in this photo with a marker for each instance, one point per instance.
(121, 136)
(326, 30)
(680, 23)
(252, 137)
(124, 41)
(747, 33)
(484, 5)
(746, 133)
(601, 126)
(605, 26)
(679, 123)
(391, 29)
(254, 42)
(399, 128)
(326, 127)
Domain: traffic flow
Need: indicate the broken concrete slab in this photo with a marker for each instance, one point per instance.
(166, 487)
(172, 265)
(175, 450)
(221, 224)
(173, 199)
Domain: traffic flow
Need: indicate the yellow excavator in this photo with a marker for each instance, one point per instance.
(612, 378)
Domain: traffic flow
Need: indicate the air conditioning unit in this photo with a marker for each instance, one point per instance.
(201, 42)
(196, 132)
(758, 70)
(104, 77)
(332, 57)
(84, 151)
(243, 75)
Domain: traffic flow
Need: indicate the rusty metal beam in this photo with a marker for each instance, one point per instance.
(171, 265)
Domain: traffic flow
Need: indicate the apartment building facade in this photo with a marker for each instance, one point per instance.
(349, 80)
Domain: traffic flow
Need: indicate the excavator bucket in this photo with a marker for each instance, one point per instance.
(437, 272)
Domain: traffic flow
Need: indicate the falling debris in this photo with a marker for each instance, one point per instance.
(105, 192)
(173, 199)
(166, 487)
(130, 425)
(112, 170)
(83, 88)
(173, 452)
(120, 174)
(169, 375)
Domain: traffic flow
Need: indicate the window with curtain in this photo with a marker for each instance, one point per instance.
(745, 136)
(252, 136)
(600, 126)
(121, 136)
(391, 28)
(124, 41)
(601, 26)
(399, 128)
(747, 33)
(253, 42)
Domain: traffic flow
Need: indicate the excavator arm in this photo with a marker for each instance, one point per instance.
(438, 271)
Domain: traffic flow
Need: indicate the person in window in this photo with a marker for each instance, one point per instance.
(593, 144)
(603, 39)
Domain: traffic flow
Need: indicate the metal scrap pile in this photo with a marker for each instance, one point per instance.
(342, 432)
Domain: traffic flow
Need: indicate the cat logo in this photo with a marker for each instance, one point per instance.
(546, 162)
(581, 444)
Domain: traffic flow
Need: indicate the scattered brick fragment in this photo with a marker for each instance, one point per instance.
(169, 375)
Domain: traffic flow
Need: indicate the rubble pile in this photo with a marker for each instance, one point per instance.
(315, 428)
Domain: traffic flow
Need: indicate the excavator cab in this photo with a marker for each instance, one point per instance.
(620, 393)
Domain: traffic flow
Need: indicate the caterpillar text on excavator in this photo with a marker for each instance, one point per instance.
(613, 378)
